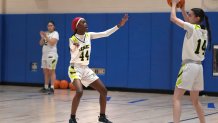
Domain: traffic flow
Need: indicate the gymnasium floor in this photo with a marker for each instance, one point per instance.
(25, 105)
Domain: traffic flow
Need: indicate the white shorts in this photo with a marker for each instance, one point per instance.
(49, 63)
(83, 73)
(190, 77)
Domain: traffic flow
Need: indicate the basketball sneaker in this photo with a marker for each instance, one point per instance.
(72, 120)
(51, 91)
(103, 119)
(44, 90)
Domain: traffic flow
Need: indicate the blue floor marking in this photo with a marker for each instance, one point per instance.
(136, 101)
(211, 105)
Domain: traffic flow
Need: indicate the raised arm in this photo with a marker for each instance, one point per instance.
(95, 35)
(173, 16)
(184, 13)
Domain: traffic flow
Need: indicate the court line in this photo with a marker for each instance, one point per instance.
(196, 117)
(28, 97)
(17, 99)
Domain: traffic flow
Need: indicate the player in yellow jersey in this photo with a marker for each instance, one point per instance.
(190, 76)
(79, 72)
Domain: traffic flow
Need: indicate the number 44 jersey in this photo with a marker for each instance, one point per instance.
(195, 42)
(80, 53)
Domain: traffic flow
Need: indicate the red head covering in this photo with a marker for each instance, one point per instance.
(75, 23)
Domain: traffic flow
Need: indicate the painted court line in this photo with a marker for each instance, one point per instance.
(197, 117)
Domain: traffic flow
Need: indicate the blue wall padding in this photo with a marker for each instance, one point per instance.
(139, 51)
(160, 52)
(117, 54)
(15, 43)
(34, 24)
(144, 54)
(1, 27)
(211, 83)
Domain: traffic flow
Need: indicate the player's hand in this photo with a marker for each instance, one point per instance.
(44, 34)
(123, 21)
(76, 44)
(41, 34)
(175, 1)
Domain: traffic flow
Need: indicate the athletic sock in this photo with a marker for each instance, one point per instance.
(46, 86)
(52, 86)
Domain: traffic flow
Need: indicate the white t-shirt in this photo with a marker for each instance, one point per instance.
(49, 50)
(81, 55)
(195, 42)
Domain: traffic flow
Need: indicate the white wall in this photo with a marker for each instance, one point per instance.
(89, 6)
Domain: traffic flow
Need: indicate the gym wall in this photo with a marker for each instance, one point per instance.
(145, 54)
(88, 6)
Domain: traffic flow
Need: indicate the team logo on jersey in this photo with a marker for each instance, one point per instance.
(84, 47)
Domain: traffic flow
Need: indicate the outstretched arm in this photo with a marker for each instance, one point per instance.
(173, 16)
(95, 35)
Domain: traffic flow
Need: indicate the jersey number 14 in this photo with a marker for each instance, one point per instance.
(201, 47)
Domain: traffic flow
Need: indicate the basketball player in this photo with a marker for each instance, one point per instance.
(48, 42)
(79, 72)
(190, 77)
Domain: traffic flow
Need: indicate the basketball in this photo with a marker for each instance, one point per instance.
(64, 84)
(179, 5)
(72, 87)
(57, 84)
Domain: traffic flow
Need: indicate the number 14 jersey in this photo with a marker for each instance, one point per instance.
(195, 42)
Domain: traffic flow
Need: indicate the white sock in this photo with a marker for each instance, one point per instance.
(46, 86)
(52, 86)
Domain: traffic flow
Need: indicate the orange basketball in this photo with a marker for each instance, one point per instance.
(64, 84)
(72, 87)
(179, 5)
(57, 84)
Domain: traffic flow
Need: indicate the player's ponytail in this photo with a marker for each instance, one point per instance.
(203, 17)
(207, 24)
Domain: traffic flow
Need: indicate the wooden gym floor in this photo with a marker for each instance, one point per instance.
(26, 105)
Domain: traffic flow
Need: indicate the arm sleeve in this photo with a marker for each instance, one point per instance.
(188, 27)
(56, 35)
(96, 35)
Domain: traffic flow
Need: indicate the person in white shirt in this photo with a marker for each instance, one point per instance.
(190, 77)
(79, 72)
(49, 40)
